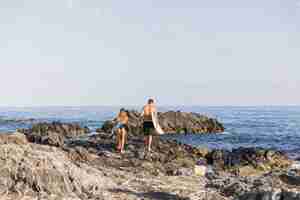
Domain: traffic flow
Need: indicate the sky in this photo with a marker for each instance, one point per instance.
(109, 52)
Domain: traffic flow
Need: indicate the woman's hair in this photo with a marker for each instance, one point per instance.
(125, 111)
(150, 101)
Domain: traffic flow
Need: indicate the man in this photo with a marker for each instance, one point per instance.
(149, 111)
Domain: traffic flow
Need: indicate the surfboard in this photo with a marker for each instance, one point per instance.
(157, 127)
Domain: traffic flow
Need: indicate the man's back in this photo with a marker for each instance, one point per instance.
(149, 109)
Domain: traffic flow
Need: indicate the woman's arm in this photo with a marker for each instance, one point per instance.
(118, 118)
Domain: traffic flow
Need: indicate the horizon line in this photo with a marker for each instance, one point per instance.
(139, 105)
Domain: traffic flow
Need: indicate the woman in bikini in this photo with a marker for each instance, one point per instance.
(121, 128)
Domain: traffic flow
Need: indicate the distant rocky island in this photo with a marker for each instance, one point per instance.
(63, 161)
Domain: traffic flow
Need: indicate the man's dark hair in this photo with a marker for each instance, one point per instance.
(150, 101)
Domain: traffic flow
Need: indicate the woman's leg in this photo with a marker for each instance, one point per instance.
(123, 138)
(118, 139)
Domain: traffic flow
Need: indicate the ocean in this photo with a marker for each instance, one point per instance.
(276, 127)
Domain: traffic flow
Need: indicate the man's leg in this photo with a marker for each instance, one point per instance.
(149, 142)
(146, 135)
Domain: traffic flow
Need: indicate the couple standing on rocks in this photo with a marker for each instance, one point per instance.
(150, 125)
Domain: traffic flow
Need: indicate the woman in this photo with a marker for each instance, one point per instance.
(121, 128)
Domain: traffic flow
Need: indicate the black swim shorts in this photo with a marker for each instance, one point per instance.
(148, 128)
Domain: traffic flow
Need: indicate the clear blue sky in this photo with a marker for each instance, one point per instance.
(112, 52)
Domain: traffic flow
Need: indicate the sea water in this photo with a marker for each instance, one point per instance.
(276, 127)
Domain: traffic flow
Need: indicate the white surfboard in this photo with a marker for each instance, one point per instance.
(157, 127)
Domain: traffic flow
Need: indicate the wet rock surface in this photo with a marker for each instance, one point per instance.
(172, 122)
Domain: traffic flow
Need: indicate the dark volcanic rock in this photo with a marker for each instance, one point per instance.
(172, 122)
(54, 134)
(256, 159)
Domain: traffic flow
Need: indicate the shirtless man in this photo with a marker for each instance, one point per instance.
(148, 125)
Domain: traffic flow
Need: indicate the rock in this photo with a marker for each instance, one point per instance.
(278, 159)
(290, 195)
(291, 178)
(90, 169)
(53, 139)
(261, 195)
(17, 120)
(202, 151)
(200, 170)
(79, 154)
(68, 130)
(201, 162)
(271, 195)
(184, 172)
(251, 158)
(235, 189)
(54, 134)
(39, 170)
(16, 138)
(182, 122)
(266, 187)
(263, 167)
(249, 171)
(49, 138)
(219, 159)
(171, 122)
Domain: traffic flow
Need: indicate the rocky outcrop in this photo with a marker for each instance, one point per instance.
(16, 138)
(18, 120)
(172, 122)
(248, 161)
(266, 187)
(90, 169)
(170, 157)
(31, 171)
(291, 178)
(54, 134)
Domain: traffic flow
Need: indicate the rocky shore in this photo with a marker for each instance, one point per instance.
(89, 168)
(62, 161)
(172, 122)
